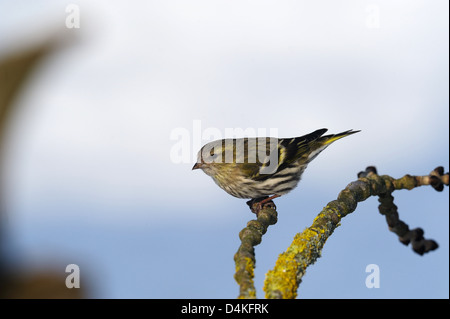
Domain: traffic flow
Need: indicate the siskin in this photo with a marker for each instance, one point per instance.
(260, 167)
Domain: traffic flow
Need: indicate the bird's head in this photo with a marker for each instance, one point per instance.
(213, 154)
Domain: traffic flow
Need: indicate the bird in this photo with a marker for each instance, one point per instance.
(262, 168)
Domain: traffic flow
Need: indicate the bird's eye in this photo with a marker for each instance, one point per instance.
(213, 156)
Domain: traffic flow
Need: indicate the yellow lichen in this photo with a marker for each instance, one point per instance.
(249, 266)
(284, 277)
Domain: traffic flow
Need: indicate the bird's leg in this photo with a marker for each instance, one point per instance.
(269, 199)
(256, 204)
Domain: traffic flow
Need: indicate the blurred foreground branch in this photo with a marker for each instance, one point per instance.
(14, 70)
(15, 282)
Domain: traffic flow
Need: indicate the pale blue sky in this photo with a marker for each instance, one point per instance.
(89, 174)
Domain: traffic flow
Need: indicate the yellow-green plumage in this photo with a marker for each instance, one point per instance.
(257, 167)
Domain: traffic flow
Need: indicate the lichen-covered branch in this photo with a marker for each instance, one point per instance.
(245, 256)
(419, 244)
(284, 279)
(387, 208)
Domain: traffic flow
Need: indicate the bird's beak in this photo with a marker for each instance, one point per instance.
(197, 165)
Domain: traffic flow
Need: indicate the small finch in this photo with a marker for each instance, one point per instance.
(257, 168)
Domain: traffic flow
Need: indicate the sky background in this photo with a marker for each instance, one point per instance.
(90, 179)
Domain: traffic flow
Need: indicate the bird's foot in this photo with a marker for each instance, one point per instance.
(257, 204)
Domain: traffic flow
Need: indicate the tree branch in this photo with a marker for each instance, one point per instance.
(245, 256)
(284, 279)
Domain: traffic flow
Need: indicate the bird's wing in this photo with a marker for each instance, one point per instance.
(292, 149)
(267, 156)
